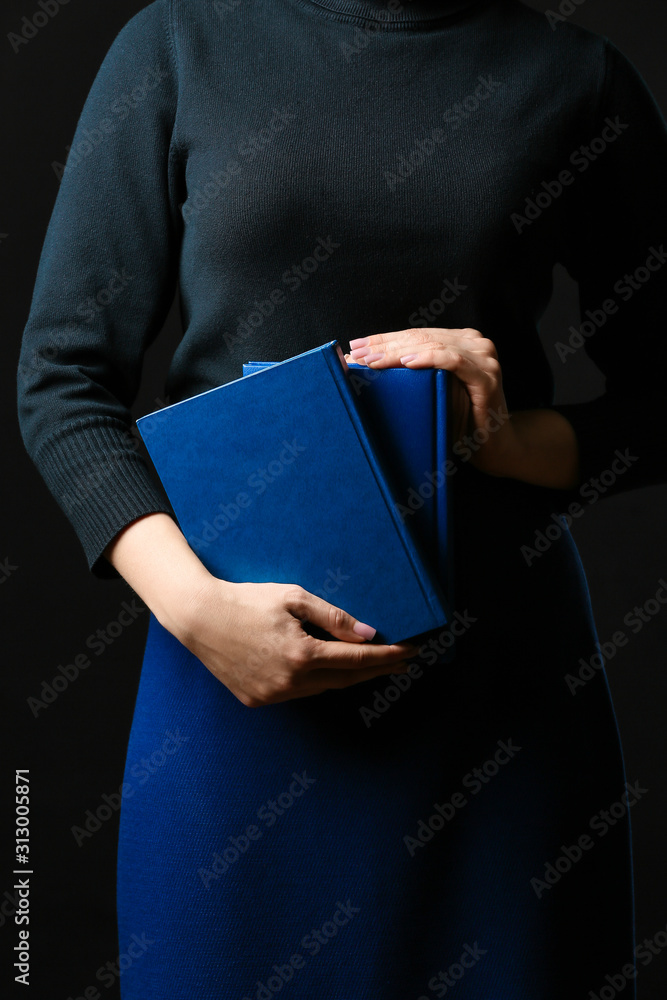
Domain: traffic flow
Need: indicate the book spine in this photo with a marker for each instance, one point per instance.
(433, 596)
(443, 513)
(439, 461)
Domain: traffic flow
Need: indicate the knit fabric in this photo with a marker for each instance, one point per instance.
(316, 169)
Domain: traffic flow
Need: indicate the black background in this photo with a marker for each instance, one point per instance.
(50, 603)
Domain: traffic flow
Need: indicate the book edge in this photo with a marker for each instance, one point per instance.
(434, 598)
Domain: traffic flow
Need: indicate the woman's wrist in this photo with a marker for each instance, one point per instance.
(535, 446)
(153, 556)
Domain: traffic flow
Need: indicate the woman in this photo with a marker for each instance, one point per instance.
(441, 157)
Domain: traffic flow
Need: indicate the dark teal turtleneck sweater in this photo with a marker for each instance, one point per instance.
(319, 169)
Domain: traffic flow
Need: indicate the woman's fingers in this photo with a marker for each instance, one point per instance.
(478, 372)
(461, 411)
(308, 607)
(469, 366)
(330, 679)
(369, 656)
(385, 350)
(312, 684)
(418, 335)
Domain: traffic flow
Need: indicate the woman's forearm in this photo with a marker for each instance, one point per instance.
(248, 635)
(540, 448)
(153, 556)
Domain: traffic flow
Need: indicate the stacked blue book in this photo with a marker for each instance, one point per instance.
(280, 476)
(407, 413)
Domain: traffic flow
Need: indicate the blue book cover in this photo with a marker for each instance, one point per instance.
(275, 477)
(407, 411)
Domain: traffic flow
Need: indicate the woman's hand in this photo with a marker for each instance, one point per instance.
(479, 408)
(249, 636)
(536, 446)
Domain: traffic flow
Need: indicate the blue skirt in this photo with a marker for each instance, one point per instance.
(466, 827)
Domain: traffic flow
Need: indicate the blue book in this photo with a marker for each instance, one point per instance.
(275, 477)
(407, 411)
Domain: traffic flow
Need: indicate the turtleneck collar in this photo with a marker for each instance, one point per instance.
(397, 12)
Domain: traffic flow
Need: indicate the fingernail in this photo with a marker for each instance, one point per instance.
(365, 630)
(373, 357)
(408, 357)
(359, 342)
(360, 352)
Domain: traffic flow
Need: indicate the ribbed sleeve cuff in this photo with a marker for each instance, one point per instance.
(102, 483)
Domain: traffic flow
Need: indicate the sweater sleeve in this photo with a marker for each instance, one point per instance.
(105, 282)
(615, 246)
